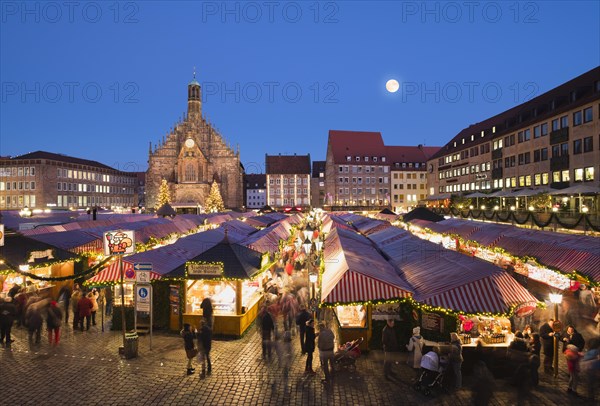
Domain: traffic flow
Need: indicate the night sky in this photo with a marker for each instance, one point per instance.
(100, 80)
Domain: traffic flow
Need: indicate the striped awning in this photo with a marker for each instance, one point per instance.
(112, 274)
(355, 287)
(494, 294)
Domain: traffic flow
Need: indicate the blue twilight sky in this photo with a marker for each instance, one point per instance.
(100, 80)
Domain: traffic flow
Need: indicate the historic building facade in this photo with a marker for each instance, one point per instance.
(191, 156)
(255, 187)
(288, 181)
(550, 141)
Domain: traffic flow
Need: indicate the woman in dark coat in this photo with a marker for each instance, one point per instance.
(573, 337)
(204, 346)
(53, 322)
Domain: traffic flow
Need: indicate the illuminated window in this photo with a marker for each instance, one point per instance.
(589, 173)
(579, 175)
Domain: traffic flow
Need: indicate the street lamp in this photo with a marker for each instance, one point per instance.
(307, 246)
(555, 298)
(308, 231)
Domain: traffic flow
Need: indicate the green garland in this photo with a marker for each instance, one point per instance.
(59, 278)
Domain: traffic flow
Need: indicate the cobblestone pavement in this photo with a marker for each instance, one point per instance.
(86, 369)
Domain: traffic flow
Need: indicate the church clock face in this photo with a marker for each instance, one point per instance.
(189, 143)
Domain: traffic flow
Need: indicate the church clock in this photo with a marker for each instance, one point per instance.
(189, 143)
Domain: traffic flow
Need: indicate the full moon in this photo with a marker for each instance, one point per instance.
(392, 85)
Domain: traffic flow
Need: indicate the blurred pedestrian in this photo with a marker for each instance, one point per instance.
(573, 357)
(535, 346)
(188, 345)
(64, 297)
(456, 359)
(390, 348)
(483, 385)
(33, 321)
(547, 336)
(8, 312)
(204, 335)
(415, 349)
(108, 297)
(267, 329)
(20, 302)
(16, 288)
(309, 345)
(93, 296)
(207, 311)
(75, 296)
(573, 337)
(301, 319)
(326, 343)
(84, 311)
(286, 357)
(53, 322)
(590, 369)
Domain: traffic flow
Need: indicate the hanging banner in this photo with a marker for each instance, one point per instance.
(119, 242)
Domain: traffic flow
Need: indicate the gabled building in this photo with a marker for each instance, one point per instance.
(288, 180)
(357, 170)
(255, 190)
(408, 167)
(317, 184)
(549, 141)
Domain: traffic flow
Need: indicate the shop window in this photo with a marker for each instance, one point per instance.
(589, 173)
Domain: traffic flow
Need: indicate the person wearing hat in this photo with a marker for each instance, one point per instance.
(309, 345)
(8, 311)
(415, 349)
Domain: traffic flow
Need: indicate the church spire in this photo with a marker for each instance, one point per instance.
(194, 99)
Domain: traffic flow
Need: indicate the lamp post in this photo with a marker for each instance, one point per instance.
(556, 299)
(584, 211)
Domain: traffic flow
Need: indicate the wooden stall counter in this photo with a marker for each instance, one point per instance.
(227, 324)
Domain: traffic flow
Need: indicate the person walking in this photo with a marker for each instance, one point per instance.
(286, 357)
(8, 312)
(535, 346)
(93, 296)
(309, 345)
(573, 356)
(456, 359)
(301, 319)
(267, 327)
(84, 311)
(208, 311)
(547, 336)
(415, 349)
(390, 348)
(64, 297)
(108, 297)
(590, 369)
(53, 322)
(204, 345)
(326, 343)
(75, 296)
(483, 385)
(188, 345)
(33, 321)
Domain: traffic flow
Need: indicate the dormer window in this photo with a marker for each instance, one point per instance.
(366, 159)
(374, 159)
(463, 141)
(348, 158)
(382, 159)
(493, 129)
(472, 137)
(357, 158)
(482, 133)
(454, 144)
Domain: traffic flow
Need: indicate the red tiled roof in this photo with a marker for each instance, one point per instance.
(409, 154)
(355, 143)
(287, 164)
(62, 158)
(252, 179)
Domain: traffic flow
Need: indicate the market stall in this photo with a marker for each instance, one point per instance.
(355, 277)
(230, 275)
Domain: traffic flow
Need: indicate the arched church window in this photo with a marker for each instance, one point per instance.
(190, 173)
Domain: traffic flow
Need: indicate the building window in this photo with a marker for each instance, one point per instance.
(544, 129)
(579, 175)
(577, 118)
(545, 178)
(190, 173)
(556, 176)
(537, 179)
(587, 115)
(576, 147)
(555, 124)
(588, 144)
(564, 121)
(537, 133)
(564, 149)
(565, 176)
(348, 158)
(589, 173)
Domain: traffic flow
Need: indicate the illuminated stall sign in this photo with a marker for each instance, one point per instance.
(201, 270)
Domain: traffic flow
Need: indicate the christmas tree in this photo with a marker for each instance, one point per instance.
(164, 196)
(214, 201)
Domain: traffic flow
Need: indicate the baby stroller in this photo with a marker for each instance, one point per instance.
(346, 356)
(431, 377)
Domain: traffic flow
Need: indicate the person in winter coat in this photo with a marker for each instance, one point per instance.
(8, 312)
(573, 337)
(309, 345)
(84, 311)
(590, 368)
(415, 349)
(64, 296)
(53, 322)
(267, 330)
(456, 359)
(483, 386)
(188, 345)
(93, 296)
(75, 296)
(301, 319)
(20, 300)
(207, 311)
(573, 356)
(33, 321)
(390, 348)
(547, 336)
(326, 344)
(204, 345)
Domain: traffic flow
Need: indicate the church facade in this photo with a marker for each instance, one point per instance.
(190, 158)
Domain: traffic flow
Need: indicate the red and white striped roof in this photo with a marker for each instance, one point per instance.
(112, 274)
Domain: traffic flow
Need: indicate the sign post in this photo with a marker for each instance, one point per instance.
(120, 242)
(143, 293)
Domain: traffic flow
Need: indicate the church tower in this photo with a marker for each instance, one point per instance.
(194, 99)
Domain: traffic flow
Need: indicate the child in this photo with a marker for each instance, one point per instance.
(188, 344)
